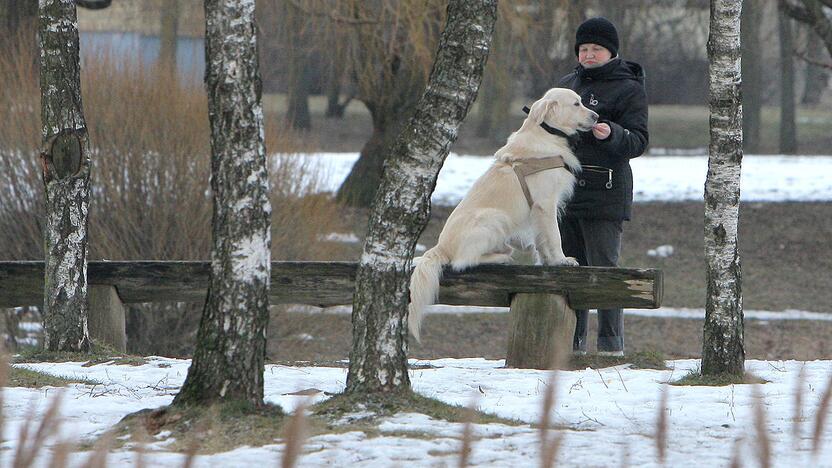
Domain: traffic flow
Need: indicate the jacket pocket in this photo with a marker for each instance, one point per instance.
(595, 178)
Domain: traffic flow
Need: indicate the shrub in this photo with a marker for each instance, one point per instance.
(150, 154)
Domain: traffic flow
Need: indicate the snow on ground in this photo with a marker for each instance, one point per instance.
(606, 413)
(666, 312)
(656, 178)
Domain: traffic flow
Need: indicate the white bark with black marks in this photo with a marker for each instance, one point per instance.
(228, 362)
(378, 360)
(65, 162)
(723, 346)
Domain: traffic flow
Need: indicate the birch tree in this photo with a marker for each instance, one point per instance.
(752, 74)
(723, 347)
(378, 360)
(230, 350)
(65, 162)
(788, 112)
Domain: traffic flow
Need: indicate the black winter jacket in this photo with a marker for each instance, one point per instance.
(616, 92)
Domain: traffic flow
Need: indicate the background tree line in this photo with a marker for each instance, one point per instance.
(378, 53)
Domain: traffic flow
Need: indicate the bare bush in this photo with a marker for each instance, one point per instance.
(150, 180)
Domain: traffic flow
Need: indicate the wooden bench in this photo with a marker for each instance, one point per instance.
(541, 298)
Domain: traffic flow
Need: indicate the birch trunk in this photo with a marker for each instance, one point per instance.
(378, 360)
(788, 118)
(723, 348)
(168, 36)
(752, 74)
(65, 162)
(230, 350)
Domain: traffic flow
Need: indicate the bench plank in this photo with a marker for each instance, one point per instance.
(332, 283)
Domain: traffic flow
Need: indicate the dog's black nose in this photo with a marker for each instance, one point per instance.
(594, 116)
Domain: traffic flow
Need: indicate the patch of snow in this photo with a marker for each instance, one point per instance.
(769, 178)
(348, 238)
(597, 412)
(304, 337)
(661, 251)
(666, 312)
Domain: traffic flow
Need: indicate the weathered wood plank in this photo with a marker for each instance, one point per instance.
(541, 328)
(332, 283)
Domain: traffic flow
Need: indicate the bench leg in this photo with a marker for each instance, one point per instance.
(106, 319)
(541, 327)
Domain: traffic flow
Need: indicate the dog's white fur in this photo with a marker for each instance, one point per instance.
(495, 211)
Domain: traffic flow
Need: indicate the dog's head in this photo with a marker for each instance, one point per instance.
(561, 108)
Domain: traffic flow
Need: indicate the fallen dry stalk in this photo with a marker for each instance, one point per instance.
(735, 456)
(468, 432)
(763, 441)
(661, 427)
(820, 417)
(549, 446)
(49, 424)
(797, 418)
(296, 433)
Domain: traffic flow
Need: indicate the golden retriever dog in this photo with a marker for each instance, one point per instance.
(501, 208)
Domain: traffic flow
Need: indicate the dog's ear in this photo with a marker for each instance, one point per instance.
(540, 109)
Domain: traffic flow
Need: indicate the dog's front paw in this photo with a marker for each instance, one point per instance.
(569, 261)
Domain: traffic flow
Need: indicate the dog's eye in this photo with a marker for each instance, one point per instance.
(577, 104)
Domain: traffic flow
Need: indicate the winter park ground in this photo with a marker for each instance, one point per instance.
(606, 417)
(605, 411)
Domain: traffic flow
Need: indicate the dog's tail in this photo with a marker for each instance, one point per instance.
(424, 286)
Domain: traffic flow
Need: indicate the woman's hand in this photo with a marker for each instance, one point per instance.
(601, 131)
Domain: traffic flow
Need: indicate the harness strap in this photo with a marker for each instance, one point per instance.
(528, 167)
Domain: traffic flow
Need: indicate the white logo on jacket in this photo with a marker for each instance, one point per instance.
(592, 100)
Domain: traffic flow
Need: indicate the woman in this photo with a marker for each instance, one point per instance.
(591, 226)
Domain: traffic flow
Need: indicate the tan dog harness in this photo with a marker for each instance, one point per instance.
(528, 167)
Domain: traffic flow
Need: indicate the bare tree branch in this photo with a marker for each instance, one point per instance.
(797, 12)
(333, 16)
(803, 56)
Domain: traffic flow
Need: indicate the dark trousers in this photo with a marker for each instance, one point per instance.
(595, 242)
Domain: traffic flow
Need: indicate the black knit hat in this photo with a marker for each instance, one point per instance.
(597, 31)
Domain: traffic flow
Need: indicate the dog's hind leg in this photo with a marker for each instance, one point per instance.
(496, 257)
(547, 237)
(503, 254)
(485, 242)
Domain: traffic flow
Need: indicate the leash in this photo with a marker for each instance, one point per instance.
(528, 167)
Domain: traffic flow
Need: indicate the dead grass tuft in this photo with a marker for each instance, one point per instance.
(329, 414)
(695, 378)
(639, 360)
(27, 378)
(205, 430)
